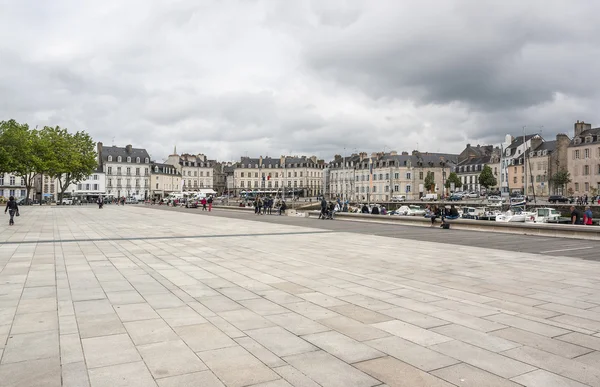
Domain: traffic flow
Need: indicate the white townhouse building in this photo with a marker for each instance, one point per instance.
(91, 188)
(299, 175)
(11, 185)
(197, 172)
(127, 171)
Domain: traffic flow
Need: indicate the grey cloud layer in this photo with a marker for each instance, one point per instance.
(267, 77)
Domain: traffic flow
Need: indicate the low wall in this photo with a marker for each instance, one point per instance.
(550, 230)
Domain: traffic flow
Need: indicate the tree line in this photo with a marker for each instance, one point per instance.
(51, 151)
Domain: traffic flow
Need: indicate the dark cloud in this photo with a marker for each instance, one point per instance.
(303, 77)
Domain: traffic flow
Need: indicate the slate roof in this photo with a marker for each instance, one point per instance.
(116, 151)
(266, 161)
(161, 169)
(595, 133)
(549, 146)
(476, 161)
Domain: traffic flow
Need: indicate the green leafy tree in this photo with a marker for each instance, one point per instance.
(70, 157)
(560, 179)
(24, 151)
(487, 178)
(453, 178)
(429, 181)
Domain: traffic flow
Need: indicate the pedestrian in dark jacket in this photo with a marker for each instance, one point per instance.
(12, 208)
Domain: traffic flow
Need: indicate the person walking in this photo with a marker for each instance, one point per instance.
(100, 202)
(282, 207)
(210, 202)
(587, 216)
(12, 208)
(575, 216)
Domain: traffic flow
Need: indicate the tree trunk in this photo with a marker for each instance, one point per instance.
(63, 187)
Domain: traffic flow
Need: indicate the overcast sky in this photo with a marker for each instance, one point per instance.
(230, 78)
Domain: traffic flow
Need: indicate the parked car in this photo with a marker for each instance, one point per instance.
(455, 197)
(67, 202)
(429, 197)
(410, 211)
(557, 199)
(473, 195)
(191, 204)
(399, 198)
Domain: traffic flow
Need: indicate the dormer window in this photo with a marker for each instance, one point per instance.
(109, 158)
(507, 151)
(147, 161)
(119, 159)
(577, 141)
(588, 139)
(128, 159)
(156, 169)
(545, 152)
(137, 160)
(531, 154)
(539, 153)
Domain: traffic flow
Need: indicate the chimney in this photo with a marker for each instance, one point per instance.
(468, 145)
(581, 126)
(128, 149)
(282, 160)
(404, 153)
(393, 153)
(260, 160)
(99, 145)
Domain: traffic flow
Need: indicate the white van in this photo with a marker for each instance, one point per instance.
(399, 198)
(429, 197)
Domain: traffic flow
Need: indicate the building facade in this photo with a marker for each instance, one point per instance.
(164, 180)
(381, 176)
(127, 171)
(298, 176)
(196, 170)
(471, 162)
(513, 161)
(584, 160)
(11, 185)
(91, 188)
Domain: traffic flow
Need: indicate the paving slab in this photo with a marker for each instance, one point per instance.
(286, 301)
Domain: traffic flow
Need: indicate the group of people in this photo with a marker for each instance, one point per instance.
(577, 218)
(434, 212)
(583, 200)
(265, 205)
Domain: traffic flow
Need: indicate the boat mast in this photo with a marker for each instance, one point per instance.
(525, 167)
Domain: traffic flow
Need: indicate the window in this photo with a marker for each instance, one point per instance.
(576, 154)
(128, 159)
(22, 181)
(408, 175)
(586, 170)
(420, 175)
(242, 184)
(295, 174)
(119, 159)
(87, 187)
(586, 153)
(587, 187)
(255, 174)
(137, 160)
(95, 187)
(207, 174)
(396, 188)
(146, 160)
(396, 176)
(515, 180)
(145, 171)
(374, 188)
(12, 180)
(387, 188)
(22, 193)
(128, 171)
(577, 187)
(137, 171)
(408, 188)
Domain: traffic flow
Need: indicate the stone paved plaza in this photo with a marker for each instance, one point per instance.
(133, 296)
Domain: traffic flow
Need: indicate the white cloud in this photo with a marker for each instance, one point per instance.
(303, 77)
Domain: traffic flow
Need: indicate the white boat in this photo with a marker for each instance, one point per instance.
(494, 202)
(513, 217)
(543, 215)
(472, 212)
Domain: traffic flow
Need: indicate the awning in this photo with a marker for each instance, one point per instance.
(206, 191)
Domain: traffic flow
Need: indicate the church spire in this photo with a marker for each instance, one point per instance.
(174, 149)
